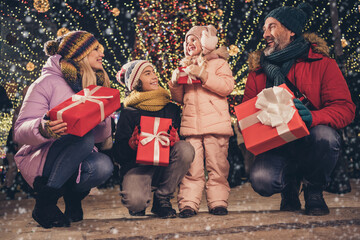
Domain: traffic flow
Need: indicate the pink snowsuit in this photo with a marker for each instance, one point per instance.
(206, 124)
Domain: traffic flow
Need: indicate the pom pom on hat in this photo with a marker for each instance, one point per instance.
(51, 47)
(120, 76)
(130, 73)
(292, 18)
(307, 8)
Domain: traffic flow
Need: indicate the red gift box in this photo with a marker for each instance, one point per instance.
(86, 109)
(154, 143)
(260, 138)
(184, 78)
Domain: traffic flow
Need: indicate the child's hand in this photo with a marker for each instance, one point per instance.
(175, 76)
(198, 72)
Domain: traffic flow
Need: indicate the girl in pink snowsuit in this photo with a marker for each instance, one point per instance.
(205, 122)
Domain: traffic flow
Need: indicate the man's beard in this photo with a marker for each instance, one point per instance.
(269, 50)
(277, 47)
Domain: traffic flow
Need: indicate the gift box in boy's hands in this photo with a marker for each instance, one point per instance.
(270, 120)
(86, 109)
(184, 78)
(154, 143)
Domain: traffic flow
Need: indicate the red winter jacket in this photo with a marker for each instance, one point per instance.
(319, 78)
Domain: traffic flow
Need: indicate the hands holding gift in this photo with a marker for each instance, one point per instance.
(174, 136)
(175, 76)
(197, 71)
(53, 129)
(134, 140)
(304, 112)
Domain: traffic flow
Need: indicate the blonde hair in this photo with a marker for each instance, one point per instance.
(89, 76)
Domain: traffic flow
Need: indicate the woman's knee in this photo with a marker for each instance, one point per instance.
(85, 143)
(103, 166)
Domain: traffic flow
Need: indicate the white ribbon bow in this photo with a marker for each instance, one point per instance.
(160, 138)
(275, 106)
(276, 110)
(79, 99)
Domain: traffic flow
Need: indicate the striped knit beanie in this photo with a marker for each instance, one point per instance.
(73, 47)
(131, 71)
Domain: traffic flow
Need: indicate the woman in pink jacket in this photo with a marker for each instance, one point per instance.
(205, 122)
(51, 160)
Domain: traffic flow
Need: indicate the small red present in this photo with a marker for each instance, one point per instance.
(270, 120)
(154, 143)
(184, 78)
(86, 109)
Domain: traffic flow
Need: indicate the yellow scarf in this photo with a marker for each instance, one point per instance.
(149, 101)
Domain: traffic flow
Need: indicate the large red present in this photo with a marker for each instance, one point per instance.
(184, 78)
(86, 109)
(270, 120)
(154, 143)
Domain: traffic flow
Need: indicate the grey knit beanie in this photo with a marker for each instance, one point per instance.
(292, 18)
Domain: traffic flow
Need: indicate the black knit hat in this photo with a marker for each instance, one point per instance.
(292, 18)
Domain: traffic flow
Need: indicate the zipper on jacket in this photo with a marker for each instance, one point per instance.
(198, 123)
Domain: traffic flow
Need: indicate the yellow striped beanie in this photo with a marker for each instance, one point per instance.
(73, 47)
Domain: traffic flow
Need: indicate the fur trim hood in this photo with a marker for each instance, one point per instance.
(318, 45)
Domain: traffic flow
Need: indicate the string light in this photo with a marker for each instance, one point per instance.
(41, 6)
(159, 28)
(30, 66)
(116, 12)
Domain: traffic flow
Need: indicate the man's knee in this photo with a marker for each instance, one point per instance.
(264, 181)
(326, 136)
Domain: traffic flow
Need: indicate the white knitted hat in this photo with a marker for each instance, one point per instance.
(207, 37)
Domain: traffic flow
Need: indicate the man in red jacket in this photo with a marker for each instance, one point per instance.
(304, 60)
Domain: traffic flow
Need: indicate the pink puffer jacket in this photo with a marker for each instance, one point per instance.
(206, 108)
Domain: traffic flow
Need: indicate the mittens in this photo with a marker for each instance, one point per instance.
(134, 140)
(174, 136)
(175, 76)
(197, 71)
(304, 112)
(46, 131)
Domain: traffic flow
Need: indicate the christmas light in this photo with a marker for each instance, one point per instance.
(154, 30)
(233, 50)
(41, 5)
(30, 66)
(116, 12)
